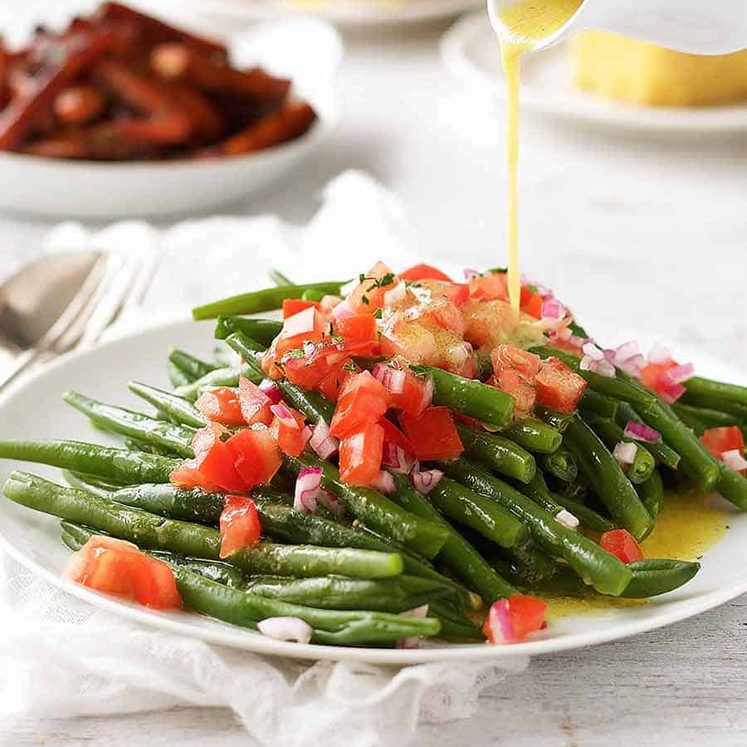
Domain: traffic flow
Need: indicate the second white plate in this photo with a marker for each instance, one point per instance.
(470, 51)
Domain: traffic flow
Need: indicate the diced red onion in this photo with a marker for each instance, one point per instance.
(641, 432)
(396, 295)
(424, 481)
(469, 273)
(593, 352)
(670, 393)
(308, 486)
(342, 310)
(599, 366)
(384, 483)
(659, 354)
(300, 323)
(272, 390)
(281, 412)
(678, 374)
(633, 365)
(624, 453)
(427, 394)
(392, 379)
(323, 444)
(552, 309)
(734, 459)
(576, 341)
(412, 642)
(292, 629)
(499, 623)
(397, 459)
(567, 519)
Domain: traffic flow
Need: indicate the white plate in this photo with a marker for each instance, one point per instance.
(343, 12)
(103, 190)
(35, 411)
(470, 51)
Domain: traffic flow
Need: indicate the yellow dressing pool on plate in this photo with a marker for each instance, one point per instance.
(525, 24)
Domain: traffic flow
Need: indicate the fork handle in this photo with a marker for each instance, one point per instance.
(20, 364)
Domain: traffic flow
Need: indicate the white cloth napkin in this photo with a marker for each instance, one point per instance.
(60, 657)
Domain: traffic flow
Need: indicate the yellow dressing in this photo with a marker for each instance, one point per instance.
(525, 24)
(685, 529)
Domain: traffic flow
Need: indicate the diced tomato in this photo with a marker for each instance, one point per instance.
(212, 468)
(423, 272)
(726, 438)
(306, 321)
(368, 295)
(394, 436)
(337, 376)
(360, 455)
(361, 400)
(656, 376)
(328, 303)
(255, 404)
(154, 585)
(290, 433)
(558, 386)
(443, 314)
(358, 331)
(530, 302)
(492, 286)
(512, 620)
(308, 366)
(415, 396)
(514, 372)
(621, 544)
(486, 322)
(221, 405)
(256, 455)
(117, 567)
(433, 434)
(239, 525)
(458, 293)
(292, 306)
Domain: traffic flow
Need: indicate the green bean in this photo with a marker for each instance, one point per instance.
(134, 445)
(228, 376)
(177, 409)
(697, 462)
(177, 377)
(469, 397)
(612, 434)
(595, 566)
(615, 387)
(558, 420)
(732, 486)
(102, 488)
(259, 301)
(462, 559)
(562, 465)
(716, 390)
(156, 533)
(497, 453)
(174, 438)
(651, 493)
(261, 330)
(598, 404)
(278, 277)
(587, 516)
(536, 489)
(734, 407)
(481, 514)
(649, 578)
(118, 465)
(690, 416)
(659, 450)
(607, 479)
(313, 294)
(534, 435)
(377, 511)
(192, 367)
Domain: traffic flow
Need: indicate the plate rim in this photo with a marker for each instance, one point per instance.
(248, 640)
(582, 107)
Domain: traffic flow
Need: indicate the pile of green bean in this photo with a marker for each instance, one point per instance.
(518, 511)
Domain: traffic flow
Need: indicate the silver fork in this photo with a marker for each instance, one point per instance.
(113, 282)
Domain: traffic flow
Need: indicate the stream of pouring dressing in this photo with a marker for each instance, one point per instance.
(525, 24)
(688, 525)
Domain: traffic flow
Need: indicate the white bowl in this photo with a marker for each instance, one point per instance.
(104, 190)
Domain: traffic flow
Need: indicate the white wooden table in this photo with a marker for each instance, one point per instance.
(648, 232)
